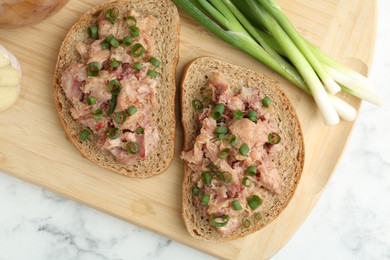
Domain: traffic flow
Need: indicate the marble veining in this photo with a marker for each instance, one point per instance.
(350, 221)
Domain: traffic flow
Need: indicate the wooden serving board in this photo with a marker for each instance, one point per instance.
(33, 146)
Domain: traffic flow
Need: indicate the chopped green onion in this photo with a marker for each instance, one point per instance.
(155, 61)
(94, 69)
(114, 133)
(220, 221)
(131, 22)
(236, 205)
(114, 42)
(206, 177)
(273, 138)
(126, 41)
(195, 190)
(233, 140)
(137, 50)
(205, 199)
(254, 202)
(221, 136)
(152, 73)
(84, 135)
(111, 15)
(131, 111)
(140, 130)
(132, 147)
(212, 167)
(114, 63)
(224, 153)
(252, 115)
(197, 104)
(246, 182)
(112, 105)
(91, 100)
(251, 170)
(105, 45)
(218, 111)
(221, 130)
(98, 114)
(224, 176)
(238, 114)
(114, 86)
(134, 31)
(266, 102)
(120, 117)
(93, 32)
(258, 216)
(137, 66)
(244, 149)
(246, 223)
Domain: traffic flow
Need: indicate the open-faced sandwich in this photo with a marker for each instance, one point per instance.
(243, 150)
(114, 85)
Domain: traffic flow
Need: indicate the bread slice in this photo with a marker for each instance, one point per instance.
(289, 163)
(166, 36)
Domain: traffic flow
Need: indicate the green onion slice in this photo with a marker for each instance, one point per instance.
(114, 133)
(152, 73)
(266, 102)
(137, 66)
(205, 199)
(195, 190)
(236, 205)
(105, 45)
(233, 140)
(252, 115)
(137, 50)
(134, 31)
(94, 69)
(131, 22)
(197, 104)
(91, 100)
(251, 170)
(131, 111)
(114, 63)
(238, 114)
(111, 15)
(84, 135)
(114, 86)
(155, 61)
(93, 32)
(254, 202)
(140, 130)
(132, 147)
(112, 105)
(244, 149)
(246, 223)
(120, 117)
(114, 42)
(221, 136)
(224, 176)
(221, 130)
(126, 41)
(212, 167)
(273, 138)
(258, 216)
(224, 153)
(246, 182)
(98, 114)
(218, 111)
(220, 221)
(206, 177)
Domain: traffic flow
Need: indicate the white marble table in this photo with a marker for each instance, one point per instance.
(351, 220)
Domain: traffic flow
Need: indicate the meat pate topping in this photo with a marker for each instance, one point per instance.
(113, 87)
(233, 155)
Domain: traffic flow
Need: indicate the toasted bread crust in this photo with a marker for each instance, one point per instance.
(167, 48)
(290, 162)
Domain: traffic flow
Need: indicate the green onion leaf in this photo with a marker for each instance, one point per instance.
(197, 104)
(114, 133)
(98, 114)
(221, 130)
(246, 182)
(91, 100)
(120, 117)
(126, 41)
(94, 69)
(114, 63)
(155, 61)
(111, 15)
(233, 140)
(251, 170)
(236, 205)
(84, 135)
(137, 50)
(273, 138)
(131, 111)
(266, 102)
(212, 167)
(112, 105)
(132, 147)
(218, 111)
(244, 149)
(224, 176)
(93, 32)
(152, 73)
(254, 202)
(131, 22)
(105, 45)
(114, 86)
(205, 199)
(252, 115)
(220, 221)
(195, 190)
(221, 136)
(137, 66)
(206, 178)
(224, 153)
(134, 31)
(246, 223)
(114, 42)
(238, 114)
(140, 130)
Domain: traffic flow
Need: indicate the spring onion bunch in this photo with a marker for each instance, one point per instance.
(261, 29)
